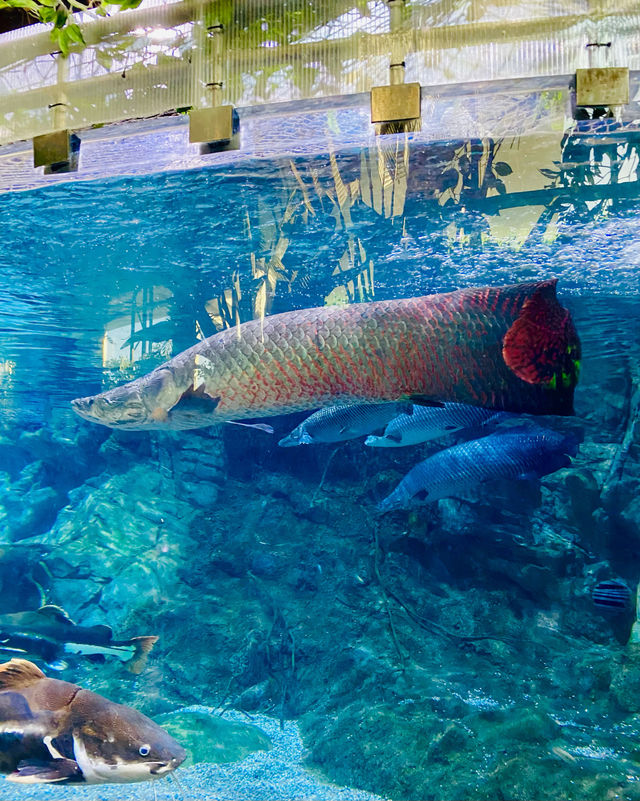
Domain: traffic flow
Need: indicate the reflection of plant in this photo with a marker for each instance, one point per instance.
(587, 161)
(472, 174)
(123, 52)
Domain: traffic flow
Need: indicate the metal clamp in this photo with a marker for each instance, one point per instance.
(396, 108)
(215, 128)
(602, 86)
(57, 152)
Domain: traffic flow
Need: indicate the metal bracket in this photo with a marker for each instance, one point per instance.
(396, 108)
(57, 152)
(215, 128)
(602, 86)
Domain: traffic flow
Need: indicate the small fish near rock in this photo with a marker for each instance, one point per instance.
(49, 635)
(55, 731)
(613, 594)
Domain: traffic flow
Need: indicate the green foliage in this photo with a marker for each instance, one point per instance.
(65, 33)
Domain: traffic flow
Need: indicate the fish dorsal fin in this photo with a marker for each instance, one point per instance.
(425, 400)
(56, 613)
(19, 673)
(102, 631)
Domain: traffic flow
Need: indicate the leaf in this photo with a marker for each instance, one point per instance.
(502, 168)
(75, 34)
(447, 179)
(60, 37)
(105, 60)
(61, 18)
(47, 14)
(28, 5)
(500, 187)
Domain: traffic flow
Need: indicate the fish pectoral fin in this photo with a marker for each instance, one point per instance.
(423, 400)
(257, 426)
(35, 772)
(197, 400)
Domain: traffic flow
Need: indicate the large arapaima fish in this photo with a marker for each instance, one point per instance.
(511, 348)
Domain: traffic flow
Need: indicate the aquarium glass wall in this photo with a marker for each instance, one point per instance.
(166, 56)
(320, 456)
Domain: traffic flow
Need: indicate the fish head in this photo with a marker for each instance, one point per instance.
(114, 743)
(145, 403)
(299, 436)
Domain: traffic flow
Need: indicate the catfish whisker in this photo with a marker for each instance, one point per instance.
(174, 778)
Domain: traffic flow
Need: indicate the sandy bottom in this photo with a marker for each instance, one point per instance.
(275, 775)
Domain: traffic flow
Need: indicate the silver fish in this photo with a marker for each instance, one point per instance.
(343, 422)
(55, 731)
(522, 452)
(432, 422)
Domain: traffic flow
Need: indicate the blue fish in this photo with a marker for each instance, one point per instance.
(432, 422)
(521, 452)
(343, 422)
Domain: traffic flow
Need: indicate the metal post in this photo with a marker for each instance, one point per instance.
(58, 151)
(396, 108)
(213, 125)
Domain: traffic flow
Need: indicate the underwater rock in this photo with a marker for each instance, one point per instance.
(209, 737)
(104, 549)
(39, 509)
(445, 746)
(121, 448)
(528, 726)
(30, 503)
(196, 461)
(625, 682)
(381, 745)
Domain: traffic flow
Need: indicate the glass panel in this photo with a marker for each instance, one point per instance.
(400, 599)
(162, 57)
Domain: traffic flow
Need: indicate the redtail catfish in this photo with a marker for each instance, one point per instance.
(55, 731)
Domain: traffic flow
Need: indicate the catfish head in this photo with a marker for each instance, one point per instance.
(163, 399)
(115, 743)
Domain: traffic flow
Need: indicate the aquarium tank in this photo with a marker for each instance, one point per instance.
(319, 401)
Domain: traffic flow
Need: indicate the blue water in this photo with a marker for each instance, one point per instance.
(452, 651)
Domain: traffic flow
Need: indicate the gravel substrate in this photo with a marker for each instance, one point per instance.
(275, 775)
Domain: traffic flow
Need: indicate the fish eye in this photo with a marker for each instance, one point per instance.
(144, 750)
